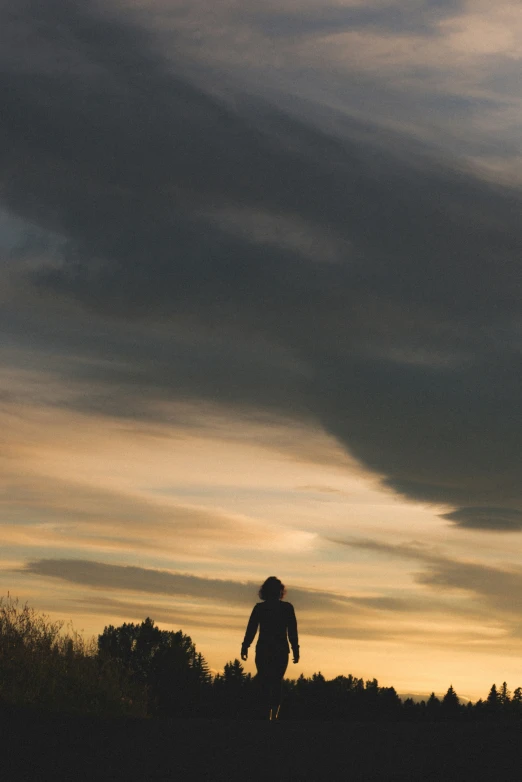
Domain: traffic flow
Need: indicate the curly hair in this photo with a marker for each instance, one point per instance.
(272, 589)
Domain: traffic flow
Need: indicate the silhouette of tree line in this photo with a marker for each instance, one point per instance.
(351, 698)
(140, 670)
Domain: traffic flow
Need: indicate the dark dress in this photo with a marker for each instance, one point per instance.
(277, 625)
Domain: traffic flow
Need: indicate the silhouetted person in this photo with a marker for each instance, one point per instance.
(277, 625)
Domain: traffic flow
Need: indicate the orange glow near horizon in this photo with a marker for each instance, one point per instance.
(83, 489)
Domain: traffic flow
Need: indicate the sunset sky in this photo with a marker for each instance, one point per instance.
(261, 307)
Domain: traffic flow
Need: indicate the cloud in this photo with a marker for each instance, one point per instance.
(320, 613)
(127, 577)
(181, 617)
(405, 349)
(160, 582)
(44, 511)
(320, 489)
(385, 17)
(490, 591)
(494, 519)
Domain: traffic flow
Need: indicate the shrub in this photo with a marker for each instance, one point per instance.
(45, 667)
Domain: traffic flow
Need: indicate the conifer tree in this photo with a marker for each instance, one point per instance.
(433, 706)
(516, 702)
(504, 696)
(234, 673)
(493, 699)
(450, 703)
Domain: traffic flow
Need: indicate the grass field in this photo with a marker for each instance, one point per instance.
(50, 747)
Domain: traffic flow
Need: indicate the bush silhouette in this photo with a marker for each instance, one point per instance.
(42, 666)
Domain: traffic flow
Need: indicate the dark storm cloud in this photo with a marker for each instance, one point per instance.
(395, 17)
(389, 313)
(501, 519)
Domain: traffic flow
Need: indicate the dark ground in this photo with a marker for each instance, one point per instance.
(49, 747)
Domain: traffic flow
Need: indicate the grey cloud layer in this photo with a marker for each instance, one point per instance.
(320, 613)
(234, 593)
(506, 519)
(406, 347)
(492, 591)
(227, 603)
(398, 17)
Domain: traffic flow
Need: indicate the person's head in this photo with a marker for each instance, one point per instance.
(272, 589)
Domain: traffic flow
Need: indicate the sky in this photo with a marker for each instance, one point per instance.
(261, 314)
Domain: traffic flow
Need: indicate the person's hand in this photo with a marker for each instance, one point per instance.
(296, 657)
(244, 654)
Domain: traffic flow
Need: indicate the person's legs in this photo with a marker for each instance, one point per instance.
(271, 664)
(279, 666)
(263, 683)
(276, 686)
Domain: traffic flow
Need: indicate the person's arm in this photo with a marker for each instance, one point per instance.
(250, 633)
(292, 632)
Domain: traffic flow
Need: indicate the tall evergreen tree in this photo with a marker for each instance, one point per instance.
(234, 672)
(450, 707)
(433, 707)
(493, 700)
(516, 702)
(504, 696)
